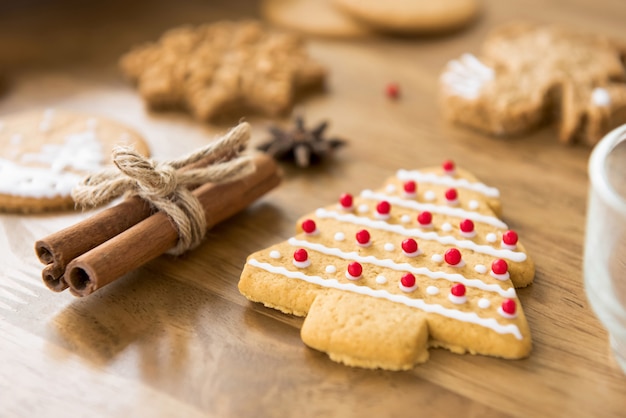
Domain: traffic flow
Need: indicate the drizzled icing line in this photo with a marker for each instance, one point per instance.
(418, 176)
(444, 210)
(470, 317)
(423, 271)
(414, 232)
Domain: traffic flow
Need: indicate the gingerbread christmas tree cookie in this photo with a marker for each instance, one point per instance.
(423, 262)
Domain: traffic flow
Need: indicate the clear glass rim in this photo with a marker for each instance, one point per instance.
(597, 171)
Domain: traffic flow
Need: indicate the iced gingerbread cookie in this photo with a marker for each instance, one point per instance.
(44, 154)
(382, 276)
(527, 75)
(222, 69)
(411, 16)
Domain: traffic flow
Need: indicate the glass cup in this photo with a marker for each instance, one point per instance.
(605, 240)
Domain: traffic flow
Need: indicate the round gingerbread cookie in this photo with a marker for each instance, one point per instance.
(44, 154)
(312, 17)
(411, 16)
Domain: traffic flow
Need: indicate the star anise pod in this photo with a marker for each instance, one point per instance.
(300, 145)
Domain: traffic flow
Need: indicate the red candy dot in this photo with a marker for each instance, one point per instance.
(408, 280)
(309, 226)
(392, 90)
(458, 289)
(499, 266)
(355, 269)
(452, 256)
(345, 200)
(466, 225)
(448, 166)
(363, 237)
(409, 245)
(451, 194)
(508, 306)
(425, 218)
(300, 255)
(509, 238)
(383, 208)
(410, 186)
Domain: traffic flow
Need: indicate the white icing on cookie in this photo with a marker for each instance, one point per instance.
(466, 76)
(430, 195)
(380, 279)
(405, 219)
(363, 208)
(389, 246)
(418, 233)
(491, 237)
(340, 236)
(484, 303)
(470, 317)
(437, 258)
(432, 178)
(330, 269)
(473, 204)
(403, 267)
(600, 97)
(444, 210)
(432, 290)
(275, 254)
(446, 227)
(479, 268)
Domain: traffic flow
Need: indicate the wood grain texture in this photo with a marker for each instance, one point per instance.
(175, 337)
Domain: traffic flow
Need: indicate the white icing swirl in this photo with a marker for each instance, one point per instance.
(466, 76)
(470, 317)
(413, 232)
(445, 210)
(404, 267)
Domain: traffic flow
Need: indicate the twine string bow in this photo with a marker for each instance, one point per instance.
(166, 187)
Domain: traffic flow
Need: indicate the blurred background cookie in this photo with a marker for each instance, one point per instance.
(312, 17)
(411, 16)
(44, 154)
(223, 69)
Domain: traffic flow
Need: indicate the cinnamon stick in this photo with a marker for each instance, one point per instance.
(156, 234)
(59, 248)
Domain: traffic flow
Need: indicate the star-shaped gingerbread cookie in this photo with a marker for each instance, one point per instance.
(223, 68)
(423, 262)
(528, 75)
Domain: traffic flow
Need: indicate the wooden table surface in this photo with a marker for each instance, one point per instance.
(175, 338)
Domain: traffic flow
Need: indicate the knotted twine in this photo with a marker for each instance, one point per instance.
(167, 189)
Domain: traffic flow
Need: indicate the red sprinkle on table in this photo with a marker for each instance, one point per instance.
(392, 90)
(425, 218)
(448, 166)
(410, 186)
(300, 255)
(466, 225)
(509, 237)
(355, 269)
(363, 237)
(508, 306)
(409, 245)
(452, 256)
(345, 200)
(451, 194)
(383, 208)
(458, 289)
(499, 266)
(309, 226)
(408, 280)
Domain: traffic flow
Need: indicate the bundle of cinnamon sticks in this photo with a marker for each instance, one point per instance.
(111, 243)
